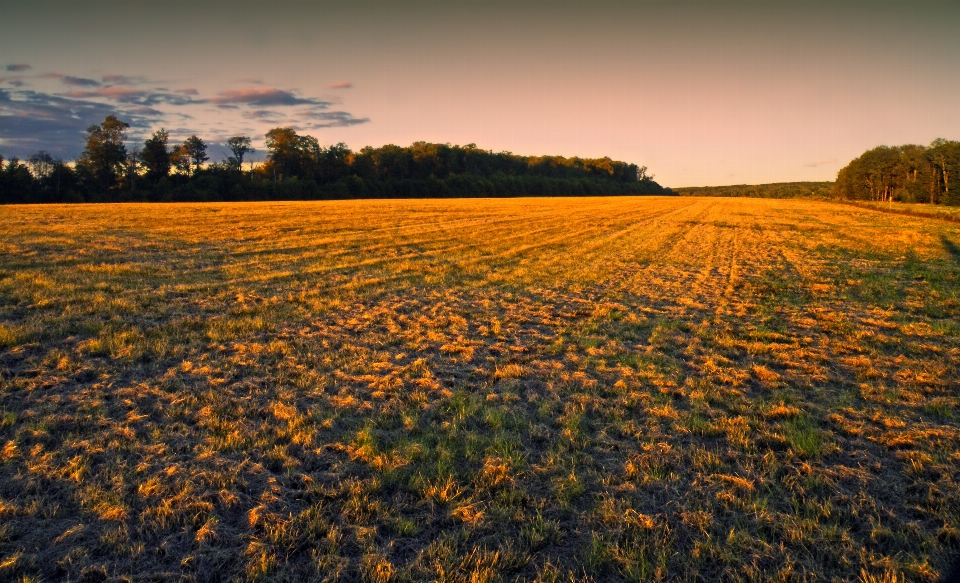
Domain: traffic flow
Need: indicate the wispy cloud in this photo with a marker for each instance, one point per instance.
(333, 119)
(340, 85)
(115, 93)
(124, 80)
(69, 80)
(263, 97)
(79, 81)
(820, 163)
(17, 67)
(262, 114)
(128, 95)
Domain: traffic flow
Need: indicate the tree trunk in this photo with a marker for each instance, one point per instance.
(933, 184)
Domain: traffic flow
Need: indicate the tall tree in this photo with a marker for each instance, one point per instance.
(41, 164)
(333, 163)
(105, 155)
(284, 153)
(197, 150)
(240, 146)
(61, 173)
(945, 157)
(156, 156)
(180, 159)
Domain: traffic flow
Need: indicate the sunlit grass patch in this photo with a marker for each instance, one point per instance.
(804, 436)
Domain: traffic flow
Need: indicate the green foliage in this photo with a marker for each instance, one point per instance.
(299, 168)
(908, 173)
(813, 190)
(105, 155)
(196, 150)
(155, 156)
(239, 146)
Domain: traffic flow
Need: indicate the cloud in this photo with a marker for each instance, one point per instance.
(79, 81)
(16, 67)
(145, 111)
(262, 114)
(820, 163)
(263, 97)
(133, 96)
(340, 85)
(115, 93)
(334, 119)
(124, 80)
(31, 121)
(250, 80)
(68, 80)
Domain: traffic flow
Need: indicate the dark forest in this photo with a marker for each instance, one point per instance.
(297, 167)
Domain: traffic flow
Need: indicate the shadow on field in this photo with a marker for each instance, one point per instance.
(953, 575)
(951, 248)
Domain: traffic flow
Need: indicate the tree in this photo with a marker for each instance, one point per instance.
(283, 152)
(334, 163)
(41, 164)
(240, 146)
(61, 174)
(180, 159)
(105, 155)
(155, 156)
(133, 167)
(944, 155)
(197, 151)
(16, 183)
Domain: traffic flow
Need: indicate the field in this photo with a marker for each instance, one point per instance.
(685, 389)
(949, 213)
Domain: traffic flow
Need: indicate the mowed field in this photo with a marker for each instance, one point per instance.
(605, 389)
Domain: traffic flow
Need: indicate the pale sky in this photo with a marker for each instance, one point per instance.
(702, 93)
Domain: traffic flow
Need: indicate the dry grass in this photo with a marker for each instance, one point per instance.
(486, 390)
(950, 213)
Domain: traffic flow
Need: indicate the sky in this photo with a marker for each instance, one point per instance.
(702, 93)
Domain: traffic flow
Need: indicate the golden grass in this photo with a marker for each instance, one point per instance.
(596, 389)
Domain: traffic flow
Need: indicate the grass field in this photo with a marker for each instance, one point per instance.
(606, 389)
(949, 213)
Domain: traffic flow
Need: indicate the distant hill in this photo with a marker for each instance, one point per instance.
(775, 190)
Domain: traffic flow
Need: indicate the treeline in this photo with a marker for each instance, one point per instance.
(908, 173)
(812, 190)
(297, 167)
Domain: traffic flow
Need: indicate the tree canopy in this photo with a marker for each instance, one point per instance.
(155, 156)
(909, 173)
(298, 167)
(105, 154)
